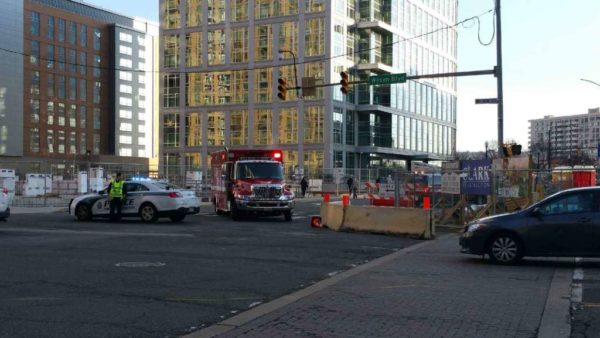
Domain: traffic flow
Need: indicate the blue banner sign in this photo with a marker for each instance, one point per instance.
(476, 177)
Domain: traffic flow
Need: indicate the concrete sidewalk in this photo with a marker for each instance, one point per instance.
(36, 210)
(428, 290)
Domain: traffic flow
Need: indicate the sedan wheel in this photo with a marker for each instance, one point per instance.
(83, 213)
(505, 249)
(148, 213)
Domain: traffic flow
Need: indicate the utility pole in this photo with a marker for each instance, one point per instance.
(499, 78)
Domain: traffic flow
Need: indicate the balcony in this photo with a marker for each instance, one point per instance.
(377, 67)
(378, 26)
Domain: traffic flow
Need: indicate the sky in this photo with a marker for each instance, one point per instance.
(548, 46)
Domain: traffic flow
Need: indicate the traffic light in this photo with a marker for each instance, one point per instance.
(511, 149)
(344, 82)
(282, 88)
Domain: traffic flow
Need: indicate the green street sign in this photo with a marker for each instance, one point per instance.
(387, 79)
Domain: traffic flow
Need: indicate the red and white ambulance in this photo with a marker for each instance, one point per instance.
(250, 181)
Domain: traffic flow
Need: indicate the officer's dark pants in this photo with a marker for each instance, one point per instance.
(115, 209)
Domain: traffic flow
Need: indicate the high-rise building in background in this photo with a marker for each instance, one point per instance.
(565, 140)
(221, 61)
(77, 85)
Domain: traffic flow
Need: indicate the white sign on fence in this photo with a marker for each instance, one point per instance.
(338, 174)
(451, 183)
(509, 191)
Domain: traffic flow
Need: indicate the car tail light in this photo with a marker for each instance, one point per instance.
(277, 155)
(175, 195)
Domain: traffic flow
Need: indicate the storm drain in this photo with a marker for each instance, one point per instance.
(140, 264)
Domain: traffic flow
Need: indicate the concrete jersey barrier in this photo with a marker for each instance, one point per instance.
(399, 221)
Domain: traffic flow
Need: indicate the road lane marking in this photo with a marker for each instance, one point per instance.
(93, 233)
(556, 317)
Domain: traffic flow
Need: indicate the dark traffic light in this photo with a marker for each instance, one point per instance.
(344, 82)
(282, 88)
(511, 149)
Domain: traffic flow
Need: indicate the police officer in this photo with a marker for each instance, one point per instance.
(115, 195)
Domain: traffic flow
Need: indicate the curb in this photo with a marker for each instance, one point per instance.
(276, 304)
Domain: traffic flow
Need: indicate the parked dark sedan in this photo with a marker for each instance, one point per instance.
(564, 224)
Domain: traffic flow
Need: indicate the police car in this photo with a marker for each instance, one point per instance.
(4, 204)
(148, 200)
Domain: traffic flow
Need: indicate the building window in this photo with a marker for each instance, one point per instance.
(263, 127)
(216, 11)
(193, 13)
(171, 52)
(97, 91)
(96, 149)
(125, 114)
(72, 61)
(171, 91)
(171, 130)
(72, 33)
(82, 117)
(61, 30)
(314, 43)
(141, 79)
(215, 129)
(125, 152)
(34, 140)
(50, 141)
(125, 50)
(97, 69)
(82, 63)
(61, 58)
(193, 161)
(96, 118)
(171, 14)
(127, 63)
(125, 89)
(239, 10)
(50, 86)
(50, 113)
(316, 71)
(73, 116)
(61, 87)
(49, 56)
(125, 126)
(313, 124)
(124, 101)
(61, 142)
(350, 123)
(238, 130)
(35, 111)
(97, 38)
(35, 84)
(288, 126)
(82, 143)
(34, 28)
(263, 85)
(313, 162)
(193, 130)
(288, 38)
(34, 57)
(239, 45)
(141, 54)
(82, 89)
(216, 47)
(50, 28)
(83, 36)
(338, 126)
(125, 37)
(263, 42)
(125, 76)
(315, 6)
(72, 88)
(73, 143)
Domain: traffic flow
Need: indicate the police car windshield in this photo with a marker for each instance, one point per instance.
(250, 170)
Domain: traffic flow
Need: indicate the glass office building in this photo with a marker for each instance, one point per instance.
(221, 59)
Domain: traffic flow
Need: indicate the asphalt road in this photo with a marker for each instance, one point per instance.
(63, 278)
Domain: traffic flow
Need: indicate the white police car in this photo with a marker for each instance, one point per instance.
(148, 200)
(4, 204)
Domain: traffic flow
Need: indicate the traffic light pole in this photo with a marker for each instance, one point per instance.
(499, 78)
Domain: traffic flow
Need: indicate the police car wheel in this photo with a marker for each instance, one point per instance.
(148, 213)
(287, 215)
(83, 213)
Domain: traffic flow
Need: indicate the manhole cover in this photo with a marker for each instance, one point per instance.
(140, 264)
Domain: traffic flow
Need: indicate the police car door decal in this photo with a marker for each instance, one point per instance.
(101, 207)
